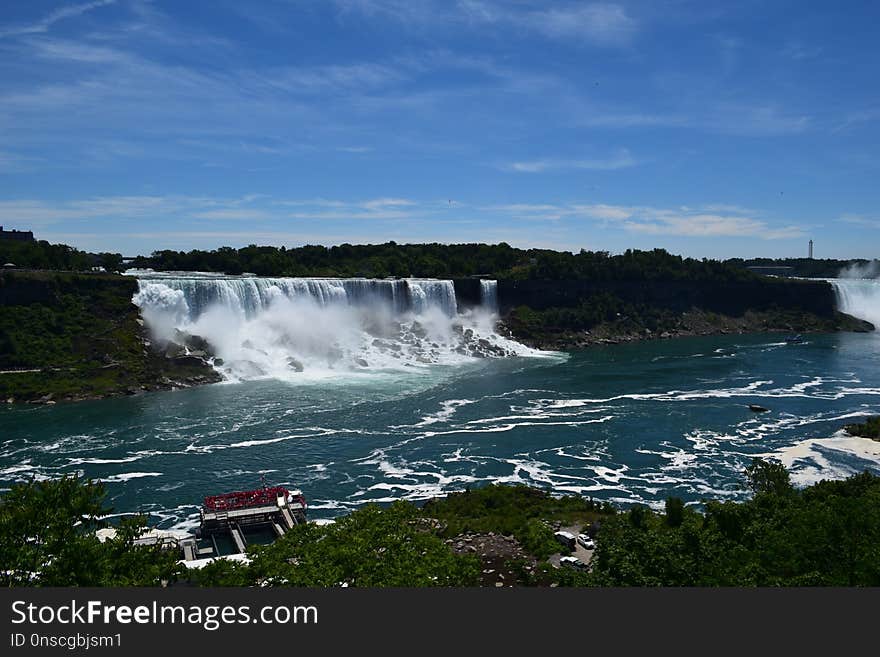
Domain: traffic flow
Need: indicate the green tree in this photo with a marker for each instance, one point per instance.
(47, 538)
(369, 547)
(768, 476)
(674, 511)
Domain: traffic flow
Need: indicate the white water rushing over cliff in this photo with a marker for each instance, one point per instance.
(295, 328)
(489, 295)
(859, 297)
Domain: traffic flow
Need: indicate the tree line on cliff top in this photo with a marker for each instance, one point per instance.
(500, 261)
(59, 257)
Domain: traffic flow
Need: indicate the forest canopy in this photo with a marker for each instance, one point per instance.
(499, 261)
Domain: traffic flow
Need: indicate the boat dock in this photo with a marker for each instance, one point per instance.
(230, 522)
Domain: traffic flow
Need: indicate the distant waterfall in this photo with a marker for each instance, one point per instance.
(859, 297)
(489, 295)
(285, 327)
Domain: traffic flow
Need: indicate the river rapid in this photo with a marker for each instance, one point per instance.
(394, 396)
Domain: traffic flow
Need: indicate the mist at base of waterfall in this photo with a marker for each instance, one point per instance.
(301, 329)
(859, 297)
(299, 339)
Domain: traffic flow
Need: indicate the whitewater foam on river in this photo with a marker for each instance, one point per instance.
(626, 423)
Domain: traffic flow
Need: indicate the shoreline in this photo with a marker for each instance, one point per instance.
(169, 375)
(695, 323)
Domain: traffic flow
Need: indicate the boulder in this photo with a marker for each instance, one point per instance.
(191, 341)
(189, 361)
(174, 350)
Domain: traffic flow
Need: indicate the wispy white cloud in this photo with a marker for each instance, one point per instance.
(181, 208)
(16, 163)
(798, 50)
(860, 220)
(44, 24)
(387, 202)
(232, 214)
(371, 209)
(682, 221)
(604, 212)
(42, 213)
(868, 115)
(76, 51)
(728, 208)
(756, 119)
(609, 118)
(335, 78)
(702, 112)
(697, 225)
(600, 24)
(620, 160)
(597, 23)
(168, 221)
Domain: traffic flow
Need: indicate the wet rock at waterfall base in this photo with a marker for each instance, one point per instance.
(188, 360)
(192, 342)
(174, 350)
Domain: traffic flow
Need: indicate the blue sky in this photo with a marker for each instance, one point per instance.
(709, 129)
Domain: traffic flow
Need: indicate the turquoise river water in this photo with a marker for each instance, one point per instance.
(628, 423)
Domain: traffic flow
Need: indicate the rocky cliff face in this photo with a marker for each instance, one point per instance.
(729, 298)
(565, 314)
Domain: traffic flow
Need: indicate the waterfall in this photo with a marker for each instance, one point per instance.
(284, 327)
(489, 295)
(859, 297)
(252, 295)
(426, 293)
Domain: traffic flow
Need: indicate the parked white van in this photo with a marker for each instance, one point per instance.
(567, 539)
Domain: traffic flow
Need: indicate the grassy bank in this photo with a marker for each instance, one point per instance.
(66, 336)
